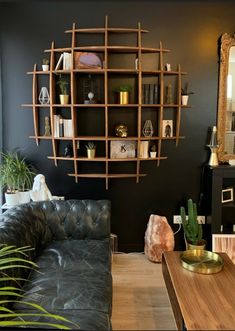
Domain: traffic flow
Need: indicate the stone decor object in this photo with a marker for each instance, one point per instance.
(159, 238)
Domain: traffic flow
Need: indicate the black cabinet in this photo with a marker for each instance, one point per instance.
(220, 214)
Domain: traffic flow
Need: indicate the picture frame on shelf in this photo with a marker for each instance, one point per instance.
(120, 149)
(167, 128)
(227, 195)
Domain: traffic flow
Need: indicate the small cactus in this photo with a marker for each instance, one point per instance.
(192, 230)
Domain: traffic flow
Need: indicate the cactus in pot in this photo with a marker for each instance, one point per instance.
(192, 229)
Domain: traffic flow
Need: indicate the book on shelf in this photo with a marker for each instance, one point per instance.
(149, 93)
(68, 128)
(62, 127)
(65, 61)
(144, 149)
(56, 119)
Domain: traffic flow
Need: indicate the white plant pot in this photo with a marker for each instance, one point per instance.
(12, 199)
(45, 67)
(153, 154)
(24, 196)
(184, 100)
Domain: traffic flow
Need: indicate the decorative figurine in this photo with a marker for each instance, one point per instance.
(168, 67)
(169, 94)
(68, 151)
(40, 190)
(47, 126)
(90, 97)
(121, 130)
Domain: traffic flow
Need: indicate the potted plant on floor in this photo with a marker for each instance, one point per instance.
(91, 147)
(16, 176)
(8, 178)
(63, 86)
(123, 92)
(185, 94)
(15, 258)
(192, 229)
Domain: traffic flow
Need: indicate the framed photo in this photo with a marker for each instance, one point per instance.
(120, 149)
(227, 195)
(167, 128)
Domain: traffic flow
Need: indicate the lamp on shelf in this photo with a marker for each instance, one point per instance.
(213, 145)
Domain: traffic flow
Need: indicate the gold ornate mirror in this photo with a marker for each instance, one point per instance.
(226, 99)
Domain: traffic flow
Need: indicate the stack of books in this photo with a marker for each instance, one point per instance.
(65, 59)
(149, 93)
(62, 127)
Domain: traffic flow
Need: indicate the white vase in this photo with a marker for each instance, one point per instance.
(12, 199)
(24, 196)
(153, 154)
(45, 67)
(184, 100)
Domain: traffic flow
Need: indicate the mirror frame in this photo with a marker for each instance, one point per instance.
(226, 42)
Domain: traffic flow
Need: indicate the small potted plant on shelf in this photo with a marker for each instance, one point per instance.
(64, 95)
(153, 151)
(185, 94)
(192, 229)
(91, 147)
(123, 92)
(45, 64)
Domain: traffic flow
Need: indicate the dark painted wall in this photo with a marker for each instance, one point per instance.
(189, 28)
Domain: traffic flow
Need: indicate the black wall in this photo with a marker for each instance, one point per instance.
(189, 28)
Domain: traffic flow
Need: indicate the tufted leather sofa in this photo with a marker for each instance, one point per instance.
(72, 249)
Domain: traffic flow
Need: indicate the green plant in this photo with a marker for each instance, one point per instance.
(63, 85)
(153, 148)
(15, 258)
(45, 61)
(185, 91)
(90, 145)
(123, 88)
(15, 173)
(192, 230)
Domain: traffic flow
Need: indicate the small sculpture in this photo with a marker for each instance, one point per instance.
(47, 126)
(68, 151)
(44, 97)
(90, 97)
(148, 129)
(40, 190)
(121, 130)
(169, 99)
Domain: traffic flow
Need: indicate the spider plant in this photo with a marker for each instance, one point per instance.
(12, 258)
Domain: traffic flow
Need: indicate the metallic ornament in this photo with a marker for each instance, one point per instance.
(121, 130)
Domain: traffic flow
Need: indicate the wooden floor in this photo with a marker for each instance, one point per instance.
(140, 300)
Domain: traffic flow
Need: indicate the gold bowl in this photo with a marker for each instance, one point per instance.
(201, 261)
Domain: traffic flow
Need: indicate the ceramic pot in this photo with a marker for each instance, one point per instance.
(12, 199)
(153, 154)
(184, 100)
(45, 67)
(201, 245)
(91, 153)
(64, 99)
(123, 98)
(24, 196)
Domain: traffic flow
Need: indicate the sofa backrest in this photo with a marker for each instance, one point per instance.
(37, 223)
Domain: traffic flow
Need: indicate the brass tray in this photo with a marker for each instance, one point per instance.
(201, 261)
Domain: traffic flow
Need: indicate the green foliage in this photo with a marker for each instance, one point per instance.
(123, 88)
(90, 145)
(45, 61)
(153, 148)
(15, 173)
(185, 90)
(192, 230)
(12, 257)
(63, 85)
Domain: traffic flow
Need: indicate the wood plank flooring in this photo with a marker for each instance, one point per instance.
(140, 300)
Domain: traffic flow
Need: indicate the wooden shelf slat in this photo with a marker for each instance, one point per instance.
(117, 49)
(103, 30)
(106, 176)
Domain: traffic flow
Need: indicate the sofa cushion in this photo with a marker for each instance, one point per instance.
(74, 274)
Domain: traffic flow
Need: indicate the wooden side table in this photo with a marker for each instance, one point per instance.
(200, 302)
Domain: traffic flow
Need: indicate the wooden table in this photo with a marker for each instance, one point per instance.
(200, 302)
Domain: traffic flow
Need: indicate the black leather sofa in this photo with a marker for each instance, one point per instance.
(72, 249)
